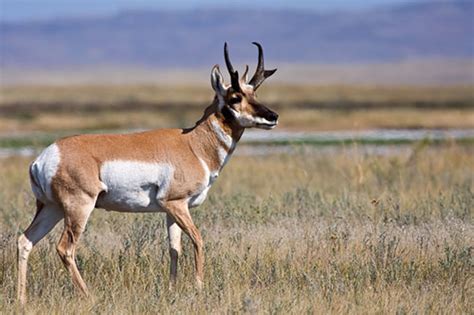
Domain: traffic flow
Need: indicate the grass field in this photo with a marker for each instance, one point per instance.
(313, 230)
(314, 233)
(301, 107)
(196, 94)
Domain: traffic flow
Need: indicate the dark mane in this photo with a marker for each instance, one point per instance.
(211, 109)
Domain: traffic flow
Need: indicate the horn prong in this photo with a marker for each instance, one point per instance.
(260, 73)
(244, 76)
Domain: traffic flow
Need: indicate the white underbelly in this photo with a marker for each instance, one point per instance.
(199, 198)
(134, 186)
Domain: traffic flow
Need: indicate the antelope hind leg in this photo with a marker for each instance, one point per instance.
(46, 218)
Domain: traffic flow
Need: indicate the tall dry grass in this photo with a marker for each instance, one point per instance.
(308, 232)
(302, 107)
(197, 94)
(291, 119)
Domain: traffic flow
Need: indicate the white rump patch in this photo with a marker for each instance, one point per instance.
(134, 186)
(43, 170)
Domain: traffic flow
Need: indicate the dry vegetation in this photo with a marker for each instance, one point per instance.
(53, 108)
(291, 119)
(198, 94)
(313, 233)
(316, 231)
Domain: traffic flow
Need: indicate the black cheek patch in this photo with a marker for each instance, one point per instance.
(227, 113)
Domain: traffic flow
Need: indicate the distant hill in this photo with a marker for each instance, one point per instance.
(195, 38)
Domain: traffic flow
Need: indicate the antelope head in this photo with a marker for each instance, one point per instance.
(238, 101)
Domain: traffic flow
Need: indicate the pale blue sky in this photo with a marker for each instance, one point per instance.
(43, 9)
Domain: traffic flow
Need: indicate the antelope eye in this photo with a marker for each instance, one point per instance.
(235, 99)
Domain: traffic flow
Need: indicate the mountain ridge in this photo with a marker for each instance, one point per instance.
(195, 37)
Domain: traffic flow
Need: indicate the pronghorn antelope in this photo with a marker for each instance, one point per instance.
(163, 170)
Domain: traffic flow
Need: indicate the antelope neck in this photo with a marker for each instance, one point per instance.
(217, 137)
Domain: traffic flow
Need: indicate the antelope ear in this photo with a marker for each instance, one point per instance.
(217, 81)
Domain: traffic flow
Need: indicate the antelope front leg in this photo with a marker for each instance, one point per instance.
(179, 212)
(174, 238)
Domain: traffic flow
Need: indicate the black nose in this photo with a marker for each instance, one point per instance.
(273, 116)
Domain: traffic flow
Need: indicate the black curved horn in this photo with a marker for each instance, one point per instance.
(234, 75)
(260, 73)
